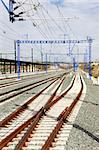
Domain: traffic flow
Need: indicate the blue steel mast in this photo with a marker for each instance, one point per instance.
(88, 40)
(90, 49)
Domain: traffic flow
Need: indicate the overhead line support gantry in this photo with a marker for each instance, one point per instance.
(89, 40)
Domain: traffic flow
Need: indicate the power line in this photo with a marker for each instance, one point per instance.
(39, 29)
(44, 25)
(64, 25)
(11, 29)
(6, 37)
(52, 18)
(47, 23)
(5, 32)
(43, 33)
(67, 23)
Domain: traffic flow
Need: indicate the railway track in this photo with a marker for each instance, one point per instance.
(4, 96)
(14, 80)
(6, 84)
(45, 127)
(34, 104)
(2, 85)
(25, 105)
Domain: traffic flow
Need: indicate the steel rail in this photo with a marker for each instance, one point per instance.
(24, 90)
(17, 89)
(61, 96)
(14, 82)
(65, 114)
(5, 141)
(22, 108)
(17, 82)
(36, 120)
(8, 83)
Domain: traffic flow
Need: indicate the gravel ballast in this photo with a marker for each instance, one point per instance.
(85, 132)
(17, 101)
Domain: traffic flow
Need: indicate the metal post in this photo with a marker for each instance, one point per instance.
(74, 63)
(18, 58)
(4, 67)
(69, 48)
(10, 67)
(85, 62)
(26, 67)
(41, 53)
(15, 55)
(90, 44)
(46, 64)
(32, 57)
(1, 55)
(29, 67)
(42, 59)
(23, 67)
(41, 56)
(87, 59)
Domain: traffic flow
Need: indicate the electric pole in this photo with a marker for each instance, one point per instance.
(32, 57)
(15, 55)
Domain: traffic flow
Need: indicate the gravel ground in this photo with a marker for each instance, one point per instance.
(85, 132)
(26, 82)
(67, 81)
(15, 102)
(28, 76)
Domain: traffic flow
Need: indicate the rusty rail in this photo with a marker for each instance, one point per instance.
(5, 141)
(36, 120)
(36, 117)
(13, 82)
(59, 97)
(22, 108)
(24, 90)
(17, 89)
(66, 114)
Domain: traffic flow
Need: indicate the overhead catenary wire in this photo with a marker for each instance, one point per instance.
(6, 33)
(38, 27)
(8, 27)
(50, 16)
(42, 22)
(59, 27)
(54, 21)
(34, 23)
(24, 11)
(43, 9)
(66, 22)
(45, 20)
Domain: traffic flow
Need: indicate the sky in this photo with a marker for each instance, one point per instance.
(51, 19)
